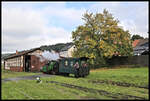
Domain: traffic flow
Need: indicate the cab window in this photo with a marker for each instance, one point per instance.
(82, 62)
(71, 63)
(66, 63)
(76, 65)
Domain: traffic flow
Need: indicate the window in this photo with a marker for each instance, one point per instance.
(82, 63)
(71, 63)
(18, 62)
(12, 62)
(8, 64)
(15, 62)
(76, 65)
(66, 63)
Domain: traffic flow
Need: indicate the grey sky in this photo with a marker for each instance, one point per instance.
(30, 25)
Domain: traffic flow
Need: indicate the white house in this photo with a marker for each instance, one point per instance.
(67, 51)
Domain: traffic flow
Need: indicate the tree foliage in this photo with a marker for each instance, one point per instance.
(56, 47)
(134, 37)
(100, 38)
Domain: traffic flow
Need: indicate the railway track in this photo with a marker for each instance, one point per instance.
(101, 92)
(124, 84)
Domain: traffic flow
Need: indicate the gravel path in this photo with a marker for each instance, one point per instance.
(33, 77)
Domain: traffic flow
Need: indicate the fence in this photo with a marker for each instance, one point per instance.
(142, 60)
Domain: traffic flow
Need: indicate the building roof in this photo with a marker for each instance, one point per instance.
(142, 41)
(135, 42)
(66, 47)
(21, 53)
(139, 42)
(142, 46)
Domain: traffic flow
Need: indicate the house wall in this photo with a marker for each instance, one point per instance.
(16, 69)
(64, 54)
(17, 63)
(68, 53)
(14, 64)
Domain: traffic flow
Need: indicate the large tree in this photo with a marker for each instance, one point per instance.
(100, 37)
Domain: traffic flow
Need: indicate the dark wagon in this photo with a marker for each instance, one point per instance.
(66, 66)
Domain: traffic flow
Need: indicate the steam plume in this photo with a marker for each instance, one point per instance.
(46, 55)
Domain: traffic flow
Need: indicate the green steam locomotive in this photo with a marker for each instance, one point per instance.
(66, 66)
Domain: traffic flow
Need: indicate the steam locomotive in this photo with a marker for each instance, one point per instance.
(66, 66)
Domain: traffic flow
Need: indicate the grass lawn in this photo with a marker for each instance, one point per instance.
(10, 74)
(29, 89)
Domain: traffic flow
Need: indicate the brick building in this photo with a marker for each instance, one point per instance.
(27, 61)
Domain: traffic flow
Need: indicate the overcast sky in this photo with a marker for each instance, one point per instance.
(27, 25)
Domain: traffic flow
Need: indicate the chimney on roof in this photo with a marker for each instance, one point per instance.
(16, 52)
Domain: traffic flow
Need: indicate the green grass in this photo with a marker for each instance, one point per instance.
(137, 76)
(29, 89)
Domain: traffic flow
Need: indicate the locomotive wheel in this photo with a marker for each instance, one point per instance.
(84, 72)
(56, 68)
(80, 72)
(76, 73)
(53, 72)
(88, 71)
(66, 74)
(76, 76)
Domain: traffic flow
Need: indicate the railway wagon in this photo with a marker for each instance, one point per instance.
(66, 66)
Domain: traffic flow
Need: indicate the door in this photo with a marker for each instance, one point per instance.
(27, 63)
